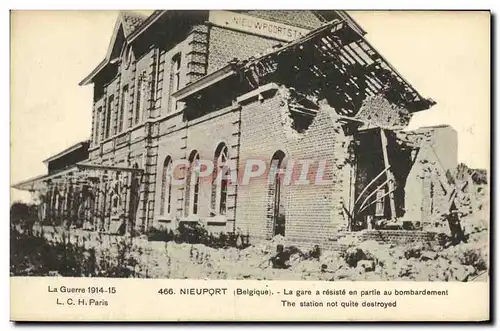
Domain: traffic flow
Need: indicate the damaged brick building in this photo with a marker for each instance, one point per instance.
(278, 86)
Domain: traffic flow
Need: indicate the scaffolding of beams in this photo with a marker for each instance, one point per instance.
(338, 64)
(80, 196)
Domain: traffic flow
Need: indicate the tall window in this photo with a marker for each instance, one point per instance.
(139, 100)
(175, 75)
(115, 203)
(193, 184)
(123, 107)
(111, 100)
(154, 83)
(176, 71)
(220, 194)
(97, 124)
(166, 187)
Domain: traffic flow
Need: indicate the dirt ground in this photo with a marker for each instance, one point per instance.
(367, 260)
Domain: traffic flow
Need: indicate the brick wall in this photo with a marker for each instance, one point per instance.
(170, 144)
(261, 136)
(131, 144)
(225, 45)
(178, 139)
(315, 210)
(142, 141)
(312, 211)
(300, 18)
(197, 53)
(204, 135)
(255, 129)
(193, 66)
(397, 237)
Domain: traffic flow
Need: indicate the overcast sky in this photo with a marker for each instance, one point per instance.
(444, 55)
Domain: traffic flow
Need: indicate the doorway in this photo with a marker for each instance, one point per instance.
(277, 191)
(382, 166)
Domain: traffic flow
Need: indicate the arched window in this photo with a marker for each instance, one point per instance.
(193, 184)
(219, 188)
(166, 187)
(277, 193)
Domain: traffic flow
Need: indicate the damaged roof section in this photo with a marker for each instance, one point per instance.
(333, 64)
(336, 63)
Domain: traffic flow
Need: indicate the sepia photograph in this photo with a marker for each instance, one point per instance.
(306, 145)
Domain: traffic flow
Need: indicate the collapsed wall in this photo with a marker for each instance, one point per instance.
(434, 157)
(421, 160)
(377, 111)
(275, 121)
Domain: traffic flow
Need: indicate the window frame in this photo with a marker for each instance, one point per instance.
(166, 187)
(97, 125)
(194, 184)
(139, 98)
(109, 115)
(221, 185)
(123, 105)
(175, 79)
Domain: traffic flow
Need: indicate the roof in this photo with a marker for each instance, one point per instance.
(428, 128)
(329, 15)
(78, 174)
(67, 150)
(345, 66)
(134, 24)
(146, 24)
(344, 61)
(130, 23)
(206, 81)
(438, 126)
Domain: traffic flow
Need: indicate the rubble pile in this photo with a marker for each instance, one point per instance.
(357, 260)
(367, 260)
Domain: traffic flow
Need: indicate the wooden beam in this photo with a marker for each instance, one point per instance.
(370, 183)
(386, 182)
(376, 200)
(108, 168)
(390, 177)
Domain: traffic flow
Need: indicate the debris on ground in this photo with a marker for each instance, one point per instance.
(277, 259)
(274, 259)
